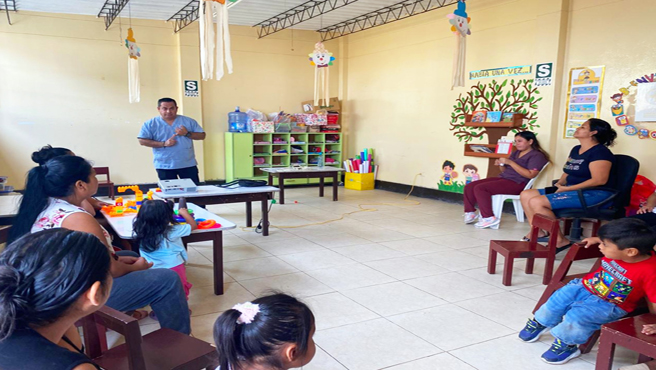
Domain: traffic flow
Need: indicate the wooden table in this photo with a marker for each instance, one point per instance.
(283, 173)
(209, 194)
(123, 227)
(626, 333)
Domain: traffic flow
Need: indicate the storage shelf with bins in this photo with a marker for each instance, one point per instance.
(494, 131)
(241, 148)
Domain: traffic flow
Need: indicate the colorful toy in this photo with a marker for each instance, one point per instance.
(134, 52)
(122, 207)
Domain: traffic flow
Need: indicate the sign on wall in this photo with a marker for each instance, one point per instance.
(583, 97)
(543, 74)
(500, 72)
(191, 89)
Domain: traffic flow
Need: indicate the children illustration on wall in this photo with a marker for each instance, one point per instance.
(471, 173)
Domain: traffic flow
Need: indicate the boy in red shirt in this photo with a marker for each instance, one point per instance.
(626, 275)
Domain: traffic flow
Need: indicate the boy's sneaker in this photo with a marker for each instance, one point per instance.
(470, 217)
(487, 222)
(532, 331)
(560, 353)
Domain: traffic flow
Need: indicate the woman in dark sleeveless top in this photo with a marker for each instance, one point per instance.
(48, 281)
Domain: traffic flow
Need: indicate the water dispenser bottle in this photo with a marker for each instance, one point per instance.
(237, 121)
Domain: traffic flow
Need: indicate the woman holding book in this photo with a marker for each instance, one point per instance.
(524, 164)
(588, 165)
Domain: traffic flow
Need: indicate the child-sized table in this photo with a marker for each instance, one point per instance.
(123, 227)
(283, 173)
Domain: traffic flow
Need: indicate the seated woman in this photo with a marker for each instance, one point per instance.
(48, 281)
(588, 165)
(53, 196)
(524, 164)
(46, 153)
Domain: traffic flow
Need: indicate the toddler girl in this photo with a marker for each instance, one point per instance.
(159, 236)
(271, 333)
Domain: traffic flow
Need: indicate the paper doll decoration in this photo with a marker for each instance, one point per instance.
(134, 93)
(215, 39)
(449, 173)
(322, 60)
(460, 27)
(620, 113)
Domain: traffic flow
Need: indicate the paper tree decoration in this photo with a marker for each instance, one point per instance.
(322, 60)
(460, 27)
(215, 39)
(133, 67)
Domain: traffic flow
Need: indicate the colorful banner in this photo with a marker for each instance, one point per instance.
(583, 93)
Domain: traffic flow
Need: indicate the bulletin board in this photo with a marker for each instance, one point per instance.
(583, 97)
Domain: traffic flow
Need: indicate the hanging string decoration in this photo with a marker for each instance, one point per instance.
(322, 60)
(215, 40)
(133, 67)
(460, 27)
(620, 114)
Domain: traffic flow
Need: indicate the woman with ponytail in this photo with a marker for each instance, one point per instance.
(271, 333)
(53, 196)
(47, 153)
(48, 281)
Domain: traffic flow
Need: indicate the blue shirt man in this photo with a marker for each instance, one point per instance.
(171, 137)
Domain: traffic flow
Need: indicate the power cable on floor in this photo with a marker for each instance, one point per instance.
(258, 228)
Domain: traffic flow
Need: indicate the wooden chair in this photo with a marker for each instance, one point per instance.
(161, 349)
(531, 250)
(105, 183)
(627, 333)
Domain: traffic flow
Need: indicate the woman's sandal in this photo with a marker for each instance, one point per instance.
(138, 314)
(541, 239)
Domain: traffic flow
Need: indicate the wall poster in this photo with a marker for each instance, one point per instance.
(583, 97)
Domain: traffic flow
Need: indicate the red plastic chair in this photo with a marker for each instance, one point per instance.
(105, 183)
(531, 250)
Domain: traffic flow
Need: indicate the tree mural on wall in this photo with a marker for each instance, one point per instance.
(514, 97)
(509, 96)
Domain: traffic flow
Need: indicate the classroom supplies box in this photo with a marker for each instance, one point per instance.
(359, 181)
(262, 126)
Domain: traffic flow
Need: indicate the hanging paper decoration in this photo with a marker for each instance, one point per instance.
(133, 67)
(215, 39)
(460, 27)
(322, 59)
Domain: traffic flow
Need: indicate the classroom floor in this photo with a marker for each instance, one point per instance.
(403, 287)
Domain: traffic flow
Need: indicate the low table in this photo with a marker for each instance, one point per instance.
(209, 194)
(626, 333)
(123, 227)
(283, 173)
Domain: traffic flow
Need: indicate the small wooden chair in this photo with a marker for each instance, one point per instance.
(105, 183)
(627, 333)
(531, 250)
(161, 349)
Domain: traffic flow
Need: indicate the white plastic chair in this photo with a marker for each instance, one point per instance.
(499, 199)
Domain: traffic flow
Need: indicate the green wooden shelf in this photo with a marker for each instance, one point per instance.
(240, 149)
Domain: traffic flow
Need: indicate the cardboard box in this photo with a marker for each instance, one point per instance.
(359, 181)
(334, 105)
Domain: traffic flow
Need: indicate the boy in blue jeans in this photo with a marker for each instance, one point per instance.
(626, 275)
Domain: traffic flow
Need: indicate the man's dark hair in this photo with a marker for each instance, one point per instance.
(166, 100)
(629, 233)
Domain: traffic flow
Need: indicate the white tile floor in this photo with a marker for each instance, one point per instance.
(404, 287)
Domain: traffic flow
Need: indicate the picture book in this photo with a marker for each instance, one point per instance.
(479, 116)
(507, 117)
(493, 117)
(480, 149)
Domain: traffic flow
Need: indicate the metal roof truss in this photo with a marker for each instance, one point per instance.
(7, 6)
(110, 10)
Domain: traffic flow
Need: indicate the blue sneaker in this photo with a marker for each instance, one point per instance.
(532, 331)
(560, 353)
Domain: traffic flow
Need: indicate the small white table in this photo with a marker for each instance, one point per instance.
(123, 228)
(283, 173)
(209, 194)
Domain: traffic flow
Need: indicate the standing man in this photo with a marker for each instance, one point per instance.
(170, 136)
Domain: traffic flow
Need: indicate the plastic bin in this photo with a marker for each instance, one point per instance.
(359, 181)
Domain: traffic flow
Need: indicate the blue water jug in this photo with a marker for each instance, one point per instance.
(237, 121)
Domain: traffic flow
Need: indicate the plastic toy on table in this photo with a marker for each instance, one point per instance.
(130, 206)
